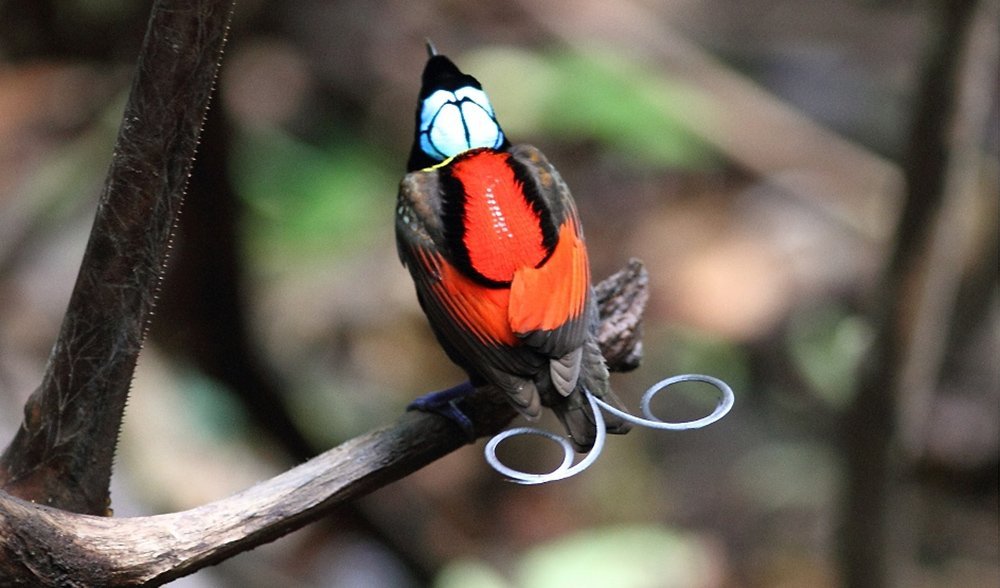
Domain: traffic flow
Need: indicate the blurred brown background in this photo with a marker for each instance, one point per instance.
(751, 153)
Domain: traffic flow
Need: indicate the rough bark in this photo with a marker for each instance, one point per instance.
(63, 453)
(621, 300)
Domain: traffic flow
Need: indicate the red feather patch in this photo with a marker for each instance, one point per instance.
(502, 230)
(478, 309)
(547, 297)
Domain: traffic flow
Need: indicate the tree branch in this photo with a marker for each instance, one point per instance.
(62, 454)
(48, 547)
(43, 546)
(621, 301)
(869, 424)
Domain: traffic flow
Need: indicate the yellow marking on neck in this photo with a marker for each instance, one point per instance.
(443, 163)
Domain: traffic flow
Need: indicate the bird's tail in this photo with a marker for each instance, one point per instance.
(574, 410)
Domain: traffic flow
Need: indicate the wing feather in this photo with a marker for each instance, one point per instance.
(548, 303)
(469, 319)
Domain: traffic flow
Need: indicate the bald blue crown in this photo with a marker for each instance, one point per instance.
(455, 121)
(453, 115)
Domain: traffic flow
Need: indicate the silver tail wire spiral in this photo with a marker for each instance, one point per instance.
(567, 468)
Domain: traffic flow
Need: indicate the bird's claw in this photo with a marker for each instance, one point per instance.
(445, 403)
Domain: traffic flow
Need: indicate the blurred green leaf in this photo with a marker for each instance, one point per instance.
(309, 200)
(626, 557)
(788, 475)
(218, 413)
(597, 95)
(642, 556)
(470, 574)
(692, 351)
(826, 343)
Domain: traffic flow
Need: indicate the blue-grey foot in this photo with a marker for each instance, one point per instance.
(445, 403)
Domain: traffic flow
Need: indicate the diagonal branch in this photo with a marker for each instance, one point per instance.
(41, 546)
(62, 454)
(47, 547)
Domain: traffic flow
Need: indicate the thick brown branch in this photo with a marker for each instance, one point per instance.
(621, 300)
(41, 546)
(63, 453)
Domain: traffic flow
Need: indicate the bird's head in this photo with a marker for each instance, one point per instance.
(453, 115)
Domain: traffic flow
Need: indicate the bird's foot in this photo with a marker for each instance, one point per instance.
(445, 403)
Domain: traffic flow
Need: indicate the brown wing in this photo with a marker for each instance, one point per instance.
(550, 304)
(469, 319)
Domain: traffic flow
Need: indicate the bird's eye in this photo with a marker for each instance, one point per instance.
(453, 122)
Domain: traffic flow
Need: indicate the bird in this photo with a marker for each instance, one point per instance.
(492, 240)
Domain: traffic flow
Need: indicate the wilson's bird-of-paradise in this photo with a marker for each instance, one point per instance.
(492, 240)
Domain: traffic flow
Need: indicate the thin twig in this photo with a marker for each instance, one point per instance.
(967, 213)
(870, 422)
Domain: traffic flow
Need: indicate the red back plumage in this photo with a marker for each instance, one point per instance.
(502, 230)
